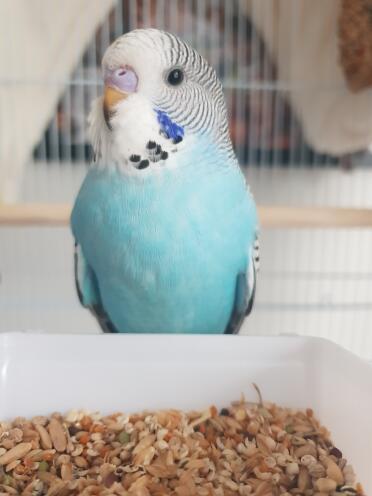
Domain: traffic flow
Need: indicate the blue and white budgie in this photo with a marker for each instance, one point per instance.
(165, 227)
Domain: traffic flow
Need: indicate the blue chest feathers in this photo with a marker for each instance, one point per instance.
(166, 249)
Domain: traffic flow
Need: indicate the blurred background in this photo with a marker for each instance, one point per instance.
(297, 76)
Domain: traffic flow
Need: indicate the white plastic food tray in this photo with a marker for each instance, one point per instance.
(42, 373)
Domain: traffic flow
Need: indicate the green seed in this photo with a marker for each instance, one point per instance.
(43, 466)
(289, 428)
(265, 413)
(124, 437)
(7, 480)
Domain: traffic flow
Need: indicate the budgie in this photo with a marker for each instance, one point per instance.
(165, 227)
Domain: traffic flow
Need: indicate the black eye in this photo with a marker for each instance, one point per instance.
(175, 77)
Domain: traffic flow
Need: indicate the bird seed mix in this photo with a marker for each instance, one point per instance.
(255, 449)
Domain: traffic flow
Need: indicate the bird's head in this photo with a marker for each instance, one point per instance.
(160, 97)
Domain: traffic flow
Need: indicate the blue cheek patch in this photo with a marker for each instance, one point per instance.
(170, 129)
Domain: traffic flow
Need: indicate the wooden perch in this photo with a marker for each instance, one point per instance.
(270, 216)
(31, 214)
(314, 217)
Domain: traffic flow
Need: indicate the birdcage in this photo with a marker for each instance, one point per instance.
(299, 127)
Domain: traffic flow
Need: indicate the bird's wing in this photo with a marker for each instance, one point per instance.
(88, 290)
(245, 292)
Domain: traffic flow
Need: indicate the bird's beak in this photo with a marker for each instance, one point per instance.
(119, 84)
(111, 97)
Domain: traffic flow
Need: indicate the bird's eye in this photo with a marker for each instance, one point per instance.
(175, 77)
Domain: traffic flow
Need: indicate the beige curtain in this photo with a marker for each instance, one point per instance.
(302, 36)
(41, 43)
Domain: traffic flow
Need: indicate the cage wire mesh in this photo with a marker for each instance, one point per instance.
(312, 281)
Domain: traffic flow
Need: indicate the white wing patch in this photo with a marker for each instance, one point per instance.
(253, 268)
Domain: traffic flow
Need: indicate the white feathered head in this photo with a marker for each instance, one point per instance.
(159, 93)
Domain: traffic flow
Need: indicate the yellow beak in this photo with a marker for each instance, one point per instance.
(111, 97)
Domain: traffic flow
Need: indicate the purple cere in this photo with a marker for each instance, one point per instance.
(124, 79)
